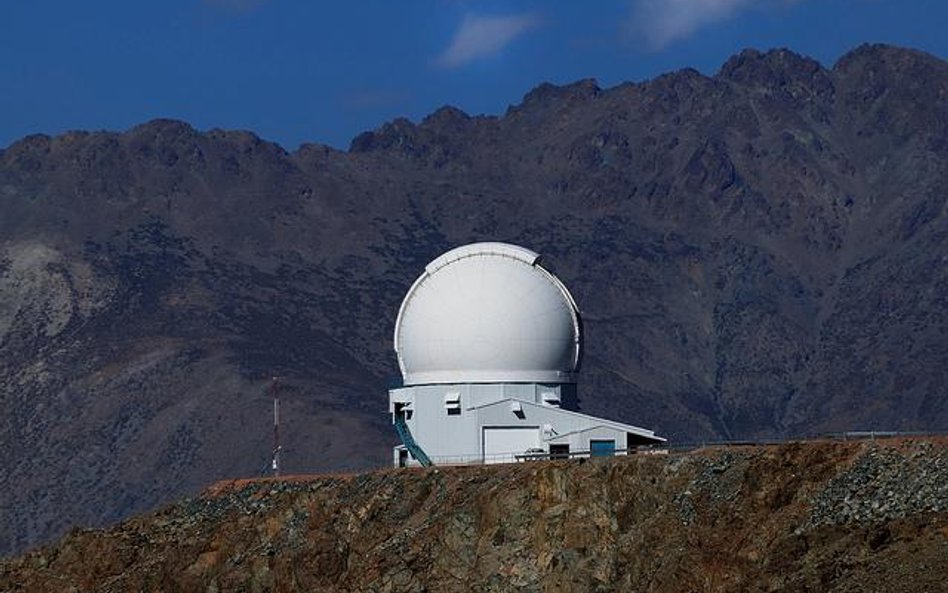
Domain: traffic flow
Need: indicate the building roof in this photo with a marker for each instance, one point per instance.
(594, 422)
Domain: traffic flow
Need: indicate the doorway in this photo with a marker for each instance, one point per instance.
(559, 451)
(602, 448)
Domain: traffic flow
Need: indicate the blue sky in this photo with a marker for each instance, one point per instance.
(298, 71)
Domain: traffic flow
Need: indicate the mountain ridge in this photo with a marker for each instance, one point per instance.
(872, 51)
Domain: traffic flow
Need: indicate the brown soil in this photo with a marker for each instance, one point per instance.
(798, 517)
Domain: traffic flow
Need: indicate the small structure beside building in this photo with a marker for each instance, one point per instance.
(489, 344)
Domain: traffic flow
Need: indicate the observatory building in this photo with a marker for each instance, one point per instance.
(489, 344)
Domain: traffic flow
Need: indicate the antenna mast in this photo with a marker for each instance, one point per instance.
(274, 391)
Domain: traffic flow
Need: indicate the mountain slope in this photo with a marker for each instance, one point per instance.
(756, 253)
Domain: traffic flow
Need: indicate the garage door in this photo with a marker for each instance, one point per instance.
(501, 444)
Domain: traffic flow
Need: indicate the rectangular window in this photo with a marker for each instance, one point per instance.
(559, 451)
(550, 398)
(452, 403)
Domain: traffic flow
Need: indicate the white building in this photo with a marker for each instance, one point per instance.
(489, 344)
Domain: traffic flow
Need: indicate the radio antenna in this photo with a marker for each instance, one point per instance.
(277, 448)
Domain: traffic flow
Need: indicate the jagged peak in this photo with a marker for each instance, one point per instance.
(397, 132)
(687, 77)
(751, 65)
(242, 137)
(584, 88)
(143, 138)
(447, 114)
(31, 142)
(163, 126)
(883, 53)
(402, 131)
(155, 130)
(547, 93)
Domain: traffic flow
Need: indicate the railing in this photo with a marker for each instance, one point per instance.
(522, 457)
(673, 447)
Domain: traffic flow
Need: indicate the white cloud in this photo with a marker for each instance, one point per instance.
(663, 22)
(484, 36)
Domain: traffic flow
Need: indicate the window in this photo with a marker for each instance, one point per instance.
(452, 403)
(559, 451)
(550, 398)
(403, 409)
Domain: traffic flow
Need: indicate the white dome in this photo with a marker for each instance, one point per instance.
(488, 313)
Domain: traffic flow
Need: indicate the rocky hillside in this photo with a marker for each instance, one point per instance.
(800, 517)
(759, 252)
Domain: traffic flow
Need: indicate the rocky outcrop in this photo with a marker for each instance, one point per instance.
(743, 519)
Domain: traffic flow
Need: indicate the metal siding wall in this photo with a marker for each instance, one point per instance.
(501, 444)
(460, 437)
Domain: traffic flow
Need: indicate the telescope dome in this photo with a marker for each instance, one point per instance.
(488, 313)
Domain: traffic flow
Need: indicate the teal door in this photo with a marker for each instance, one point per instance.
(602, 448)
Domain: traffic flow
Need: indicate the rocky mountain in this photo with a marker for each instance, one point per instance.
(811, 517)
(757, 253)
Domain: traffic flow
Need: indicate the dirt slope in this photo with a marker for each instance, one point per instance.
(798, 517)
